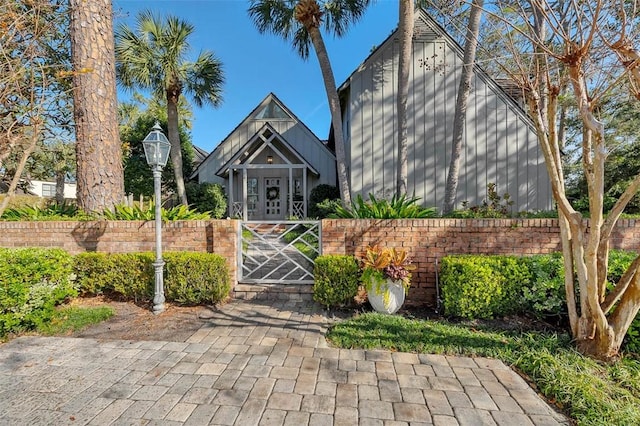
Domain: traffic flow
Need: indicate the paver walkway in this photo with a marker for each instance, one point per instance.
(255, 363)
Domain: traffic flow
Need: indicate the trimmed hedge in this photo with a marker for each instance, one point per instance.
(336, 280)
(482, 286)
(32, 282)
(190, 278)
(489, 286)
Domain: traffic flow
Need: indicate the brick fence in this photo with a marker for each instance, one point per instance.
(426, 240)
(212, 236)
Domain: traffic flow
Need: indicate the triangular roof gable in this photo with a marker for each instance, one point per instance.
(436, 30)
(255, 142)
(271, 97)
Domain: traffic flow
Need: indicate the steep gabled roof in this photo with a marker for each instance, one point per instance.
(256, 142)
(271, 108)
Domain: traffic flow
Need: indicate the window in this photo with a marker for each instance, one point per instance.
(272, 111)
(252, 195)
(48, 190)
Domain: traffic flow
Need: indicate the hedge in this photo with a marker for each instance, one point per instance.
(190, 278)
(475, 286)
(336, 280)
(32, 282)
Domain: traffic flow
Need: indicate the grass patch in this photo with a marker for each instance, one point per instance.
(70, 319)
(590, 392)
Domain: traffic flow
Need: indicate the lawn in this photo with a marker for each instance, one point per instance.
(69, 319)
(589, 392)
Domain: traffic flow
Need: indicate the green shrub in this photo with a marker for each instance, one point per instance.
(482, 286)
(32, 282)
(336, 279)
(327, 208)
(52, 211)
(129, 275)
(320, 194)
(207, 197)
(190, 278)
(494, 206)
(397, 208)
(196, 278)
(181, 212)
(545, 295)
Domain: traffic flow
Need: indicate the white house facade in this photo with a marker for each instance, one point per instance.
(48, 189)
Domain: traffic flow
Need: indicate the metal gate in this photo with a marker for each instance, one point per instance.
(278, 251)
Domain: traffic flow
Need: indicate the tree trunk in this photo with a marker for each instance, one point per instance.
(406, 14)
(23, 161)
(460, 117)
(174, 137)
(98, 151)
(336, 112)
(60, 178)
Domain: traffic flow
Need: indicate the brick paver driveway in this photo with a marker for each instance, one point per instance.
(255, 363)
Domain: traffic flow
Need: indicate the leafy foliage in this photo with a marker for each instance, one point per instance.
(135, 212)
(138, 177)
(398, 208)
(545, 294)
(207, 197)
(482, 286)
(64, 211)
(32, 282)
(191, 278)
(322, 200)
(494, 206)
(196, 278)
(129, 275)
(336, 280)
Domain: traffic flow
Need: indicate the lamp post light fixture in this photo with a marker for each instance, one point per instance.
(156, 150)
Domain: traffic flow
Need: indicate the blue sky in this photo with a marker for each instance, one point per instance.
(256, 64)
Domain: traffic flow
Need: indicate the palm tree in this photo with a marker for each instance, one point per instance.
(154, 57)
(406, 14)
(299, 21)
(98, 152)
(460, 116)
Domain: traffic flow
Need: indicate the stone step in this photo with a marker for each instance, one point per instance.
(293, 292)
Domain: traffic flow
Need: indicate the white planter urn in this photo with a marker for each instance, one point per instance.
(387, 297)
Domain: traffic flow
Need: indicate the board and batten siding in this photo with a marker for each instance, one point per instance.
(293, 131)
(499, 142)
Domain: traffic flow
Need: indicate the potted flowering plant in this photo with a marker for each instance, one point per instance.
(386, 276)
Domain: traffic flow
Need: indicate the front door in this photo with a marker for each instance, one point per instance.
(273, 208)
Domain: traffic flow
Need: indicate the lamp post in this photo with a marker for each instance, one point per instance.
(156, 150)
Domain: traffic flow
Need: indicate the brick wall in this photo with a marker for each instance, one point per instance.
(214, 236)
(429, 239)
(425, 239)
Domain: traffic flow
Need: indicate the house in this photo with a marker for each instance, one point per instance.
(499, 141)
(268, 164)
(48, 189)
